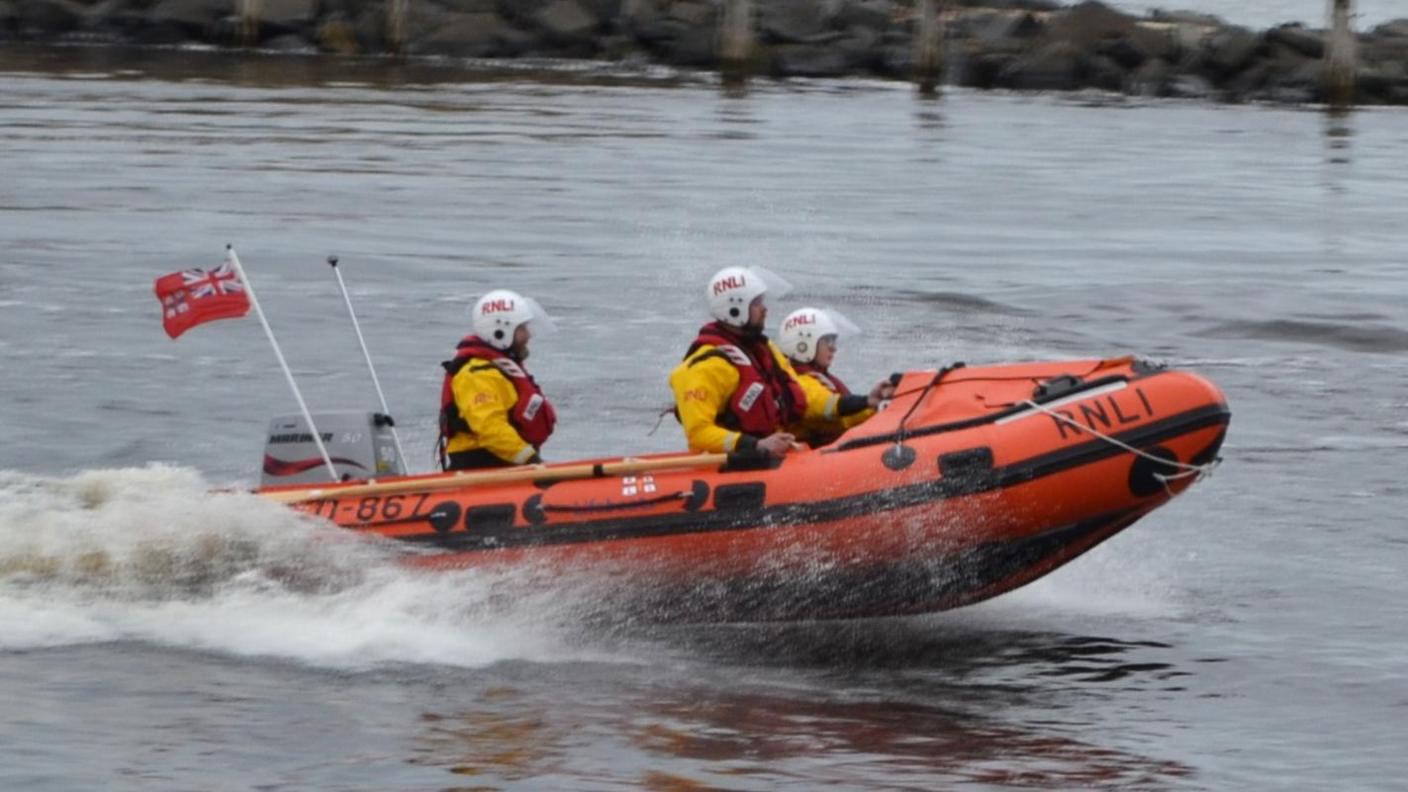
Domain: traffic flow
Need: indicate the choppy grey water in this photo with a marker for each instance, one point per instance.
(156, 636)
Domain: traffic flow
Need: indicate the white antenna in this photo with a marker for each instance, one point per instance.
(332, 261)
(307, 416)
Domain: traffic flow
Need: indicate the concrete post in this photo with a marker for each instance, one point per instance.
(396, 13)
(735, 41)
(928, 64)
(249, 22)
(1340, 55)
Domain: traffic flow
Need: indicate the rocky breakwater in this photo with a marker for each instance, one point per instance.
(1013, 44)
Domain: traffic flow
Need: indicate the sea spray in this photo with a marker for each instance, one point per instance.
(153, 554)
(161, 531)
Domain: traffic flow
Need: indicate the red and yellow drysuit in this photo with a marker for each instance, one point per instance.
(489, 403)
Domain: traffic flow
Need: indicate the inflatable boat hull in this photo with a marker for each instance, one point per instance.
(973, 482)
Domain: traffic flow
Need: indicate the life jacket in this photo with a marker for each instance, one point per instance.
(817, 436)
(767, 397)
(531, 416)
(832, 382)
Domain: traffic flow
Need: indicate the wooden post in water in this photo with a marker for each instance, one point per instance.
(735, 41)
(928, 66)
(396, 12)
(249, 22)
(1340, 56)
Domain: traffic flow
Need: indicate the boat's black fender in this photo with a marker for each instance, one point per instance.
(1145, 473)
(444, 517)
(493, 518)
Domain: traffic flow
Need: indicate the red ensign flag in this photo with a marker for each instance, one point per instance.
(194, 296)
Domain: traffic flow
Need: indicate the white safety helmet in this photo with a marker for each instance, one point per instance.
(499, 313)
(804, 327)
(732, 289)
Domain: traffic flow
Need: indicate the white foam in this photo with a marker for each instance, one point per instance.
(151, 554)
(1122, 579)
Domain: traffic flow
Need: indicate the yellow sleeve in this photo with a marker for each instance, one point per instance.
(701, 392)
(822, 404)
(484, 396)
(826, 426)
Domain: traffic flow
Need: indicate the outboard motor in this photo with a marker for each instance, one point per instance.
(360, 444)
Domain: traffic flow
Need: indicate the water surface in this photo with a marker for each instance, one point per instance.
(154, 635)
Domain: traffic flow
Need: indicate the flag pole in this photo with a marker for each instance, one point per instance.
(307, 416)
(332, 262)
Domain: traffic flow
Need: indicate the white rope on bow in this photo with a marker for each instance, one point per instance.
(1185, 470)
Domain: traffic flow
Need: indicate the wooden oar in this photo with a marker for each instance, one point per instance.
(624, 467)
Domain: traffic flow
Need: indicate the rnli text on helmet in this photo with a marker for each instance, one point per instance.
(497, 306)
(798, 321)
(727, 284)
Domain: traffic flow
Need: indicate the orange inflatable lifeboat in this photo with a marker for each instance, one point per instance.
(972, 482)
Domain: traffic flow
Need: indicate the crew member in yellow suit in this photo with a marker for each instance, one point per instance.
(809, 339)
(492, 412)
(734, 390)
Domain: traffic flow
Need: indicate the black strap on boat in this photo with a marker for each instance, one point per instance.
(900, 456)
(900, 433)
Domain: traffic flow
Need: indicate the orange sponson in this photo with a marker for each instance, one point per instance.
(974, 480)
